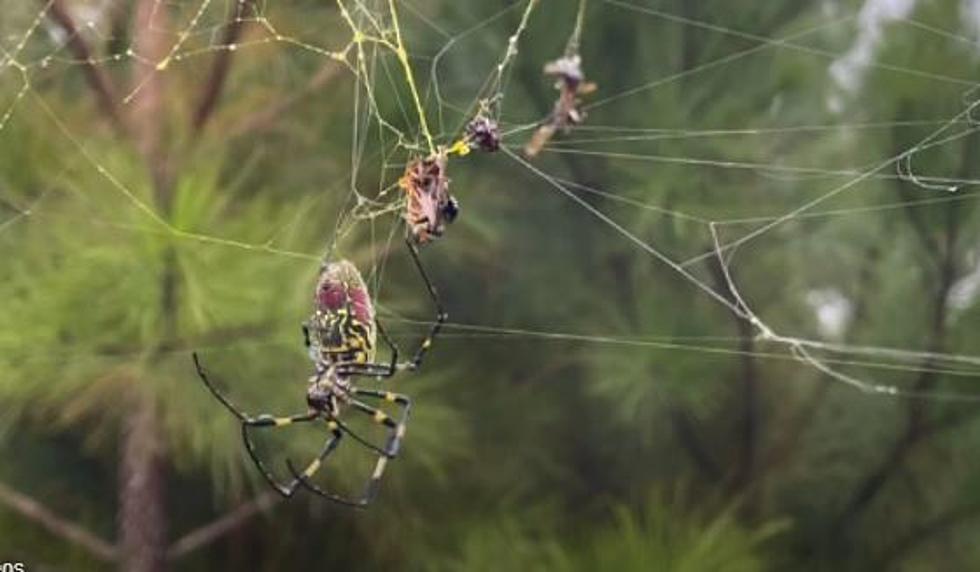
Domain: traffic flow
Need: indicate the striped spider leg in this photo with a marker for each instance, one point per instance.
(395, 434)
(326, 400)
(340, 337)
(441, 315)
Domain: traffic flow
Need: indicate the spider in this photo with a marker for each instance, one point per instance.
(428, 207)
(570, 84)
(341, 340)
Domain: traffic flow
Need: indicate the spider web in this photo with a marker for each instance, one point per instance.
(381, 57)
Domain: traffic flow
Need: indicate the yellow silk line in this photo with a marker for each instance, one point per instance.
(403, 58)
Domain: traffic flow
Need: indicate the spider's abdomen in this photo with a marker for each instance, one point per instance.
(342, 328)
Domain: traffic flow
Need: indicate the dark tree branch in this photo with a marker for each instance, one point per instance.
(751, 407)
(118, 19)
(270, 112)
(207, 534)
(98, 81)
(906, 192)
(954, 421)
(872, 484)
(148, 104)
(748, 424)
(918, 426)
(221, 66)
(57, 525)
(686, 430)
(794, 430)
(928, 242)
(925, 532)
(691, 44)
(103, 550)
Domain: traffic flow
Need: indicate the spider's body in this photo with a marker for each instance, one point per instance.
(342, 327)
(429, 207)
(341, 339)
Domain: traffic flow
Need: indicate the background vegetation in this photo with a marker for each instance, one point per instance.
(588, 408)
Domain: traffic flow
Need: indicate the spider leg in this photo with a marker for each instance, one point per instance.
(346, 429)
(214, 390)
(298, 478)
(270, 421)
(441, 315)
(370, 491)
(304, 481)
(262, 421)
(375, 370)
(396, 433)
(393, 364)
(396, 429)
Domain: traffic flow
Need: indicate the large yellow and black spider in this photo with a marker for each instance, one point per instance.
(341, 339)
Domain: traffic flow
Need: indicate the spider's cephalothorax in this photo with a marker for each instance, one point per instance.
(570, 83)
(341, 336)
(328, 391)
(342, 327)
(428, 205)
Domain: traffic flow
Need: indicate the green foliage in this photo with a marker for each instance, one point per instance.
(578, 369)
(668, 537)
(659, 534)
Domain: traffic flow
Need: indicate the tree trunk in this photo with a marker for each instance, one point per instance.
(142, 472)
(142, 510)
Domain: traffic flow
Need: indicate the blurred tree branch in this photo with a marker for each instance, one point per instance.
(221, 66)
(685, 427)
(109, 552)
(273, 110)
(57, 525)
(209, 533)
(100, 83)
(790, 437)
(748, 425)
(927, 531)
(918, 426)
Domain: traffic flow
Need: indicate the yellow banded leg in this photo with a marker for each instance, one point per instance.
(303, 479)
(396, 431)
(441, 315)
(317, 463)
(370, 490)
(396, 428)
(381, 418)
(269, 421)
(374, 483)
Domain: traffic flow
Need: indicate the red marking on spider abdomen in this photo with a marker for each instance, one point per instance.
(332, 296)
(362, 307)
(340, 285)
